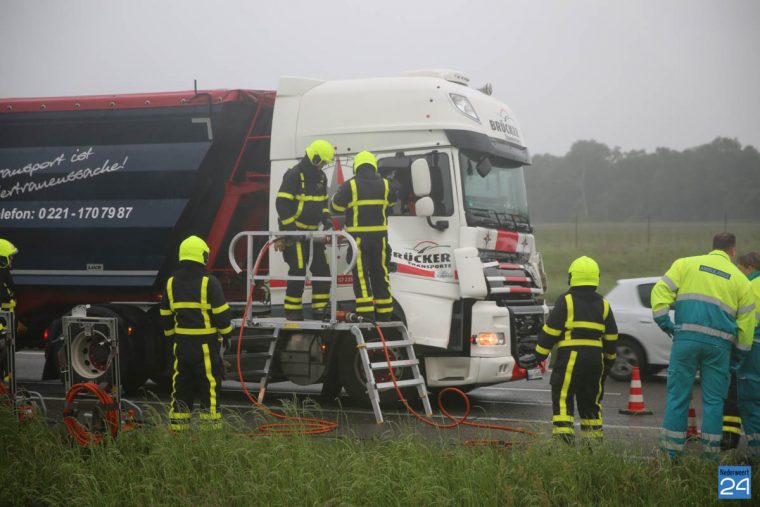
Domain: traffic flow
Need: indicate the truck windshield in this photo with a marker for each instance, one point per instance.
(494, 193)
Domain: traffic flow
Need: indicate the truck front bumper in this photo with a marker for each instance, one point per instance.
(468, 371)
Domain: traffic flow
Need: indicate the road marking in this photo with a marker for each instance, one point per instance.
(533, 390)
(30, 352)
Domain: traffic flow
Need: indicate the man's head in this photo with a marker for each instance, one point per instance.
(7, 251)
(365, 158)
(583, 271)
(320, 153)
(725, 241)
(194, 249)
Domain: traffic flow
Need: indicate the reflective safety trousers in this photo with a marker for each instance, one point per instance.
(687, 356)
(197, 374)
(748, 380)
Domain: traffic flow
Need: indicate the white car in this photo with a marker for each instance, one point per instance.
(641, 342)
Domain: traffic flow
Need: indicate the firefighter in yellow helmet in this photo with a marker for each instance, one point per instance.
(365, 199)
(195, 314)
(301, 206)
(7, 287)
(7, 297)
(582, 327)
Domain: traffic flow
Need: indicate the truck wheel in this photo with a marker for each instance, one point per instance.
(629, 355)
(352, 375)
(136, 320)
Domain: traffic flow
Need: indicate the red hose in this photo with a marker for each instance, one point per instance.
(111, 415)
(309, 426)
(462, 421)
(297, 425)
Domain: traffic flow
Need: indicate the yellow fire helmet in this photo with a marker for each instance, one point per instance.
(320, 152)
(584, 271)
(194, 249)
(365, 157)
(7, 250)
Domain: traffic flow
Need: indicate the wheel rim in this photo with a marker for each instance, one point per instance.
(625, 362)
(375, 356)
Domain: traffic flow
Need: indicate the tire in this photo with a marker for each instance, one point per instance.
(134, 378)
(629, 354)
(352, 376)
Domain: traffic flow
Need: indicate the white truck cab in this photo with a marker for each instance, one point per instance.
(466, 276)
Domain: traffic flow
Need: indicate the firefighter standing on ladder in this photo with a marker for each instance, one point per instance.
(195, 313)
(582, 326)
(301, 206)
(365, 199)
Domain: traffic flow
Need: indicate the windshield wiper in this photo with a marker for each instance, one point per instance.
(484, 215)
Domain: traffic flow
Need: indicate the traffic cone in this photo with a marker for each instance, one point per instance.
(691, 432)
(636, 396)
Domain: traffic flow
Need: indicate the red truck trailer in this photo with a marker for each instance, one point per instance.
(98, 192)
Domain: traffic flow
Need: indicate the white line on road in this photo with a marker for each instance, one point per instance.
(532, 390)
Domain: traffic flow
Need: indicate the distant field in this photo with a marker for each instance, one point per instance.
(629, 250)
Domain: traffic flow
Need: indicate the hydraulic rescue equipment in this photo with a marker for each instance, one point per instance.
(25, 404)
(94, 406)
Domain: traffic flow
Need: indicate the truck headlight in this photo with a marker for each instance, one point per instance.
(488, 339)
(463, 104)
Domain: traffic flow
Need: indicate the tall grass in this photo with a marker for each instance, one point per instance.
(629, 250)
(151, 466)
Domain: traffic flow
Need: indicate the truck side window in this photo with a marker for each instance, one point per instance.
(441, 193)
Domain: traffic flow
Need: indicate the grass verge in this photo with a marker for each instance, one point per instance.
(151, 466)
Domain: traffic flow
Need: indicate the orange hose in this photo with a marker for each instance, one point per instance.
(5, 394)
(454, 421)
(297, 425)
(309, 426)
(111, 415)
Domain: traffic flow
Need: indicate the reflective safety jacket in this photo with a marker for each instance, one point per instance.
(754, 289)
(193, 303)
(581, 317)
(302, 199)
(365, 199)
(712, 299)
(7, 293)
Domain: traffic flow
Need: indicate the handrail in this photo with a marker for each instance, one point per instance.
(273, 236)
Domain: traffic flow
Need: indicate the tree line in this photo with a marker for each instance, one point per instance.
(596, 183)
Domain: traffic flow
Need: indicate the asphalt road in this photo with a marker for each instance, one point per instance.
(520, 404)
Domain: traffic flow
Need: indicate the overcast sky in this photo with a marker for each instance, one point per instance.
(635, 74)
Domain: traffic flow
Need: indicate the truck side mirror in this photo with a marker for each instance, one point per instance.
(424, 207)
(421, 182)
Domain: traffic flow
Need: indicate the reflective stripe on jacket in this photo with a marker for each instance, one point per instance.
(580, 317)
(711, 296)
(302, 198)
(365, 199)
(194, 304)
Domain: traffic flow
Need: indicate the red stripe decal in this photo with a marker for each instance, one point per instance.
(411, 270)
(506, 241)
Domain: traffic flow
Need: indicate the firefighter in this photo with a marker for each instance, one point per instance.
(583, 328)
(7, 297)
(714, 322)
(195, 314)
(7, 287)
(365, 199)
(748, 376)
(301, 206)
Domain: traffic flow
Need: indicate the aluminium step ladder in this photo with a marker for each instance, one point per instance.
(268, 356)
(412, 363)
